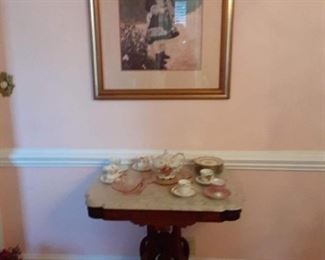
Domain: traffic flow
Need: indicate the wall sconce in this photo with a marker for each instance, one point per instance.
(6, 84)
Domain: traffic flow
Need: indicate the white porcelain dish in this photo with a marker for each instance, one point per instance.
(139, 168)
(177, 193)
(201, 181)
(218, 182)
(115, 169)
(208, 161)
(108, 179)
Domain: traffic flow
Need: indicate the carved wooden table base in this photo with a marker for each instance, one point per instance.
(164, 240)
(164, 244)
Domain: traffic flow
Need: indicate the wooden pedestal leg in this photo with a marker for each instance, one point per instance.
(185, 248)
(181, 249)
(161, 244)
(149, 247)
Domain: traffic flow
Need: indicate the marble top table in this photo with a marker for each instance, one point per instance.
(159, 197)
(163, 213)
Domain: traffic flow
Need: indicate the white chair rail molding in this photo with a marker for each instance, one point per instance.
(241, 160)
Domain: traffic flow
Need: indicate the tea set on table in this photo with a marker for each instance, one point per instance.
(112, 172)
(167, 169)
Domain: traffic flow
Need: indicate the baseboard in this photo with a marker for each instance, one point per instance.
(242, 160)
(99, 257)
(76, 257)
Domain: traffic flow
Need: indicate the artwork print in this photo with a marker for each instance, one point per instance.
(160, 34)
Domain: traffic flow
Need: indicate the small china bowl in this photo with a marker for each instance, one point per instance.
(218, 182)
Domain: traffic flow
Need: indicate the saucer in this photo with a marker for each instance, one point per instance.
(166, 177)
(176, 192)
(181, 175)
(199, 180)
(165, 182)
(145, 168)
(109, 180)
(111, 168)
(217, 193)
(218, 182)
(123, 168)
(208, 161)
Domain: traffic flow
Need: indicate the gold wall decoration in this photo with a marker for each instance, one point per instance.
(161, 49)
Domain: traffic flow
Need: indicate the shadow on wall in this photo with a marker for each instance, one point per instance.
(11, 224)
(68, 219)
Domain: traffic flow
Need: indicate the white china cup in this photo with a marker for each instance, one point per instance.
(184, 186)
(111, 169)
(143, 163)
(108, 177)
(206, 175)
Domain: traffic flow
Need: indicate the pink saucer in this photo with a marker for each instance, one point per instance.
(218, 193)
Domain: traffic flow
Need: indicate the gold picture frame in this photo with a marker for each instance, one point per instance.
(222, 67)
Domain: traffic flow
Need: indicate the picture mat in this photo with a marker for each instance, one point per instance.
(115, 78)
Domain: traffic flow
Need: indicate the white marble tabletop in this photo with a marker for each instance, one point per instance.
(158, 197)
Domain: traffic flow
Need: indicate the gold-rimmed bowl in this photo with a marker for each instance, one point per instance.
(208, 162)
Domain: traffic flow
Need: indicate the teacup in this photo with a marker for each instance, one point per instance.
(143, 163)
(218, 182)
(110, 177)
(206, 175)
(111, 169)
(184, 186)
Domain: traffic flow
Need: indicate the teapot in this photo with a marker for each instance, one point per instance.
(142, 164)
(167, 164)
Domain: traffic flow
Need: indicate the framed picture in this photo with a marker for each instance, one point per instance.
(161, 49)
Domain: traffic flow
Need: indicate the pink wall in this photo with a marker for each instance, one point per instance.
(277, 103)
(5, 118)
(277, 90)
(7, 181)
